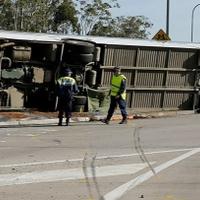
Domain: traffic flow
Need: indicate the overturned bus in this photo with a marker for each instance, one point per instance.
(161, 75)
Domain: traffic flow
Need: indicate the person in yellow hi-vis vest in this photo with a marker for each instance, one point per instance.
(117, 96)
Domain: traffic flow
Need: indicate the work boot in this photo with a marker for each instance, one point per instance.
(105, 121)
(124, 121)
(60, 122)
(67, 122)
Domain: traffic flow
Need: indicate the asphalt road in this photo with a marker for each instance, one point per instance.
(154, 159)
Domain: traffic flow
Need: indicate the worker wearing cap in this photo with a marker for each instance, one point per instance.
(117, 96)
(67, 87)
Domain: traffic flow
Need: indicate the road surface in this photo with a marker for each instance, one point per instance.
(154, 159)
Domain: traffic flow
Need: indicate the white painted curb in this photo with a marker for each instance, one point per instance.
(40, 121)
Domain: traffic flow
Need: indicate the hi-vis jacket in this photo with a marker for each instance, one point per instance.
(66, 80)
(117, 87)
(67, 87)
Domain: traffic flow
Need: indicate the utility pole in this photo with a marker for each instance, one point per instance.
(192, 22)
(167, 19)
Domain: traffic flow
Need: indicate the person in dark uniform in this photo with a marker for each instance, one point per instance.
(67, 87)
(117, 96)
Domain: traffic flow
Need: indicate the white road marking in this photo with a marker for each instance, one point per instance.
(121, 190)
(48, 130)
(97, 158)
(26, 135)
(69, 174)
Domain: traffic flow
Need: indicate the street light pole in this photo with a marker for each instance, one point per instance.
(167, 20)
(192, 22)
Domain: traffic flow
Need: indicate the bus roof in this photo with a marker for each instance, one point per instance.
(27, 36)
(58, 38)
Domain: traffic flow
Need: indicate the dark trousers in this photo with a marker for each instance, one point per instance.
(113, 105)
(64, 107)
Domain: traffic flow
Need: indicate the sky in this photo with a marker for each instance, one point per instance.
(180, 16)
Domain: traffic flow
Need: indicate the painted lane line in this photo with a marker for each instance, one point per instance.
(97, 158)
(121, 190)
(68, 174)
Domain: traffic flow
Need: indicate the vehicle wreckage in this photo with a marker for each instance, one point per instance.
(160, 74)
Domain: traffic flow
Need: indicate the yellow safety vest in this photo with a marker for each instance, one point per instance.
(116, 84)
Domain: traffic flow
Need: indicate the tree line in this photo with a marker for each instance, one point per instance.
(82, 17)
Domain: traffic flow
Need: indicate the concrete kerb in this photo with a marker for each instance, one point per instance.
(27, 122)
(162, 114)
(145, 115)
(53, 121)
(97, 117)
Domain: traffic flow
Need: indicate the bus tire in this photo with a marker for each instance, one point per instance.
(73, 46)
(79, 58)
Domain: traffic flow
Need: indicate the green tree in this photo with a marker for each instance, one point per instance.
(91, 17)
(35, 15)
(26, 15)
(2, 2)
(65, 18)
(131, 26)
(93, 11)
(7, 15)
